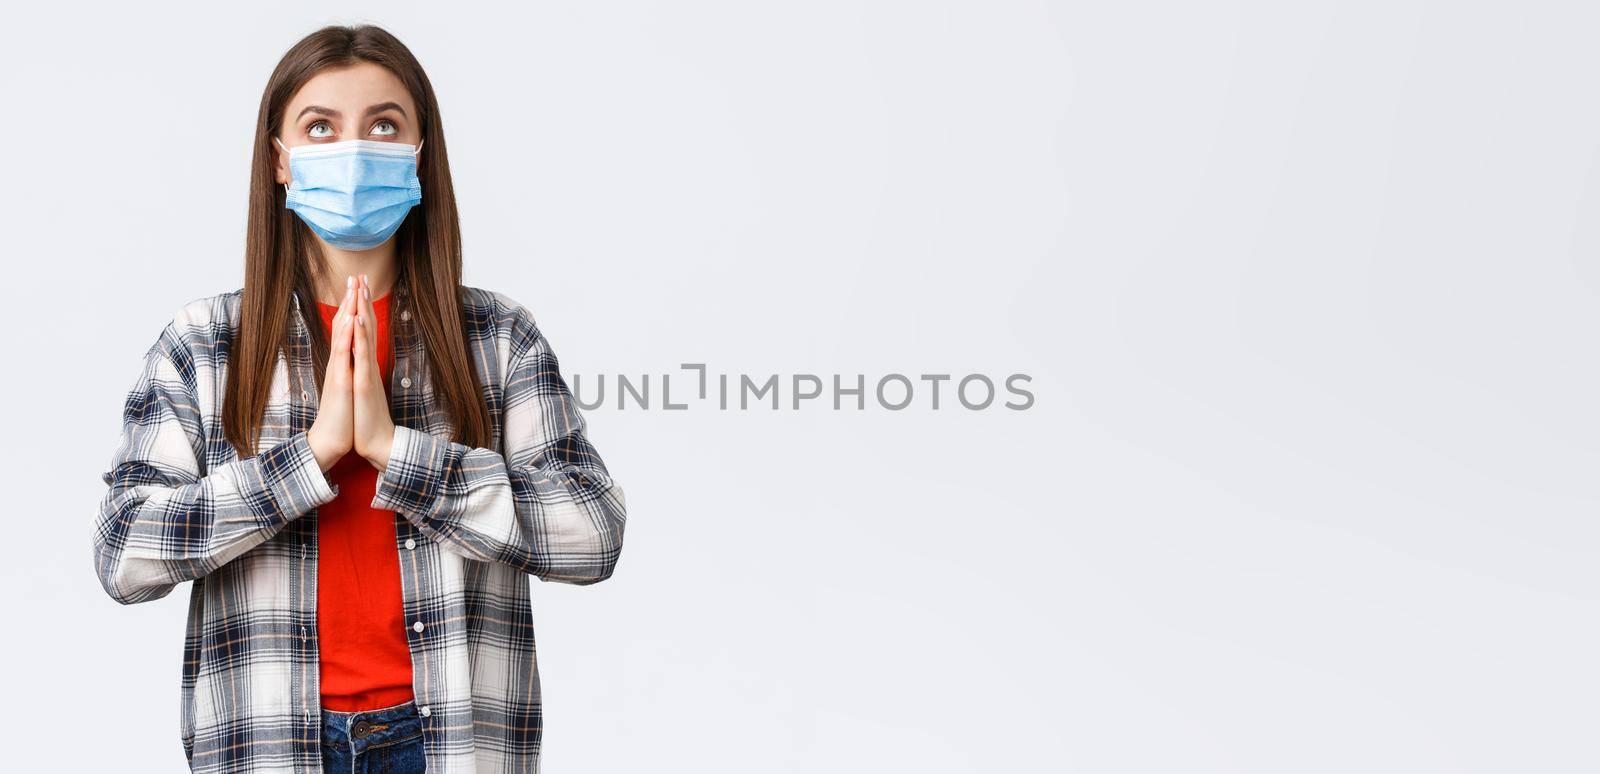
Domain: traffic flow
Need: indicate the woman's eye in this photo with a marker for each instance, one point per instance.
(384, 128)
(319, 129)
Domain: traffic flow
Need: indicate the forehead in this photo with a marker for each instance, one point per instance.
(350, 89)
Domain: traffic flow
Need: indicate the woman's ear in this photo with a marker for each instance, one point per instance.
(280, 163)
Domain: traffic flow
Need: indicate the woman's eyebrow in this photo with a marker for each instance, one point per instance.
(382, 106)
(319, 110)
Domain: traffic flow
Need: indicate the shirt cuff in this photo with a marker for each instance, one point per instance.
(293, 479)
(410, 483)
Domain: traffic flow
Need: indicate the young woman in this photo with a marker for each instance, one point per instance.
(356, 459)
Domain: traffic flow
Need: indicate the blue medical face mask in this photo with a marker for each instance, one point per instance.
(354, 194)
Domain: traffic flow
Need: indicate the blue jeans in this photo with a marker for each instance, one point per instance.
(380, 741)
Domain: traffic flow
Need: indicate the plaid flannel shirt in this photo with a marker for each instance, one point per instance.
(471, 524)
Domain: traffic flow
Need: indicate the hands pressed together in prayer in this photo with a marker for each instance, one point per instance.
(354, 408)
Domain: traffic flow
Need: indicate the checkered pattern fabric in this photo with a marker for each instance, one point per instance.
(471, 524)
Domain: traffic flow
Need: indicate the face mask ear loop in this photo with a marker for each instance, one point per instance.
(419, 148)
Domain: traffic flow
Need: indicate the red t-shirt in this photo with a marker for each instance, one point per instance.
(365, 658)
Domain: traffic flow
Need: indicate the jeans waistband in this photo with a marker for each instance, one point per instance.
(367, 729)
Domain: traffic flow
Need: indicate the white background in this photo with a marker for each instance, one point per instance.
(1307, 290)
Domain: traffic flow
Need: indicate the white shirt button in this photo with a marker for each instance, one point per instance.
(405, 314)
(426, 711)
(410, 544)
(416, 627)
(405, 381)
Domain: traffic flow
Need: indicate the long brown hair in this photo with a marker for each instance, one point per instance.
(280, 249)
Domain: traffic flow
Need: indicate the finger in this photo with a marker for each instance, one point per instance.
(359, 337)
(369, 314)
(359, 340)
(342, 325)
(352, 289)
(347, 329)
